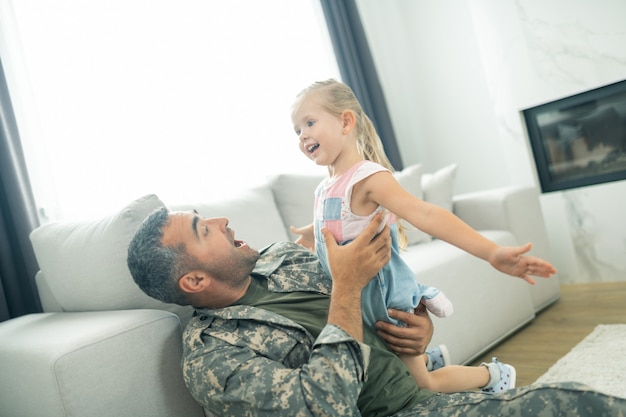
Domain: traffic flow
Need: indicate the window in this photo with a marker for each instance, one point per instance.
(182, 98)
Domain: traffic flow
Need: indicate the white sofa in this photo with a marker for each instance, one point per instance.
(103, 348)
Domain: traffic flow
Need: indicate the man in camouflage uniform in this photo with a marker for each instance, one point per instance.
(272, 337)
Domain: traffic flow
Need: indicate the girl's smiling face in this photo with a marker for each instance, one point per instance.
(319, 132)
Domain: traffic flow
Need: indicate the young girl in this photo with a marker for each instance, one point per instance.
(334, 131)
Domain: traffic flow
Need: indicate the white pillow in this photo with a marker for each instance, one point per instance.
(84, 263)
(410, 178)
(252, 214)
(439, 186)
(295, 195)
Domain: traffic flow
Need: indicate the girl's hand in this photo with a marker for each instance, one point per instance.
(511, 260)
(306, 237)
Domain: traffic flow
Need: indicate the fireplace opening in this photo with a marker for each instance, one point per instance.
(579, 140)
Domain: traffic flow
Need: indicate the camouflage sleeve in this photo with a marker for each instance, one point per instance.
(234, 380)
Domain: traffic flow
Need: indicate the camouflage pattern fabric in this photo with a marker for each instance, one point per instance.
(263, 366)
(244, 361)
(541, 400)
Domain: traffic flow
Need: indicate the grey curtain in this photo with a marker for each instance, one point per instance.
(357, 69)
(18, 217)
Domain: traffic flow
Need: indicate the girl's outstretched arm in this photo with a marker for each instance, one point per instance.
(382, 188)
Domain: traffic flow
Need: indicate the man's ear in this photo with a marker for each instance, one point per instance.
(194, 282)
(348, 120)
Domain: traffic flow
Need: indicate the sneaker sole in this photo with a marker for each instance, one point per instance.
(513, 376)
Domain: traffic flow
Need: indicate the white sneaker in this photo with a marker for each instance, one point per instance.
(507, 376)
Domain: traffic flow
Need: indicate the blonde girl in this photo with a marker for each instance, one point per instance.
(333, 131)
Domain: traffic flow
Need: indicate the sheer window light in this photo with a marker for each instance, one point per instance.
(187, 99)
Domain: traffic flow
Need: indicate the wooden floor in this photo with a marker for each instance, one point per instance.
(556, 330)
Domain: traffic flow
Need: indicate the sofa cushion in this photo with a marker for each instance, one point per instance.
(474, 287)
(105, 364)
(84, 263)
(410, 178)
(439, 186)
(294, 195)
(252, 214)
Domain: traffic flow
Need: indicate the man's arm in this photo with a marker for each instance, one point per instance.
(350, 271)
(352, 267)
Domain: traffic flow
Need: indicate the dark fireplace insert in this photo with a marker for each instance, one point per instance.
(579, 140)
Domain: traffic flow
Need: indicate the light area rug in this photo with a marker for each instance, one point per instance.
(599, 361)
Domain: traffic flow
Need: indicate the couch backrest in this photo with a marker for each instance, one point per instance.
(252, 214)
(294, 195)
(83, 264)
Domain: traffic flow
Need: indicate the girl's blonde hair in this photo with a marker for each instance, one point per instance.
(336, 97)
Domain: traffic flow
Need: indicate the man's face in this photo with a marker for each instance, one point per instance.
(212, 244)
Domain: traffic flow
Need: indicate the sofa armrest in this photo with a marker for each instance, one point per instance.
(108, 363)
(518, 210)
(493, 209)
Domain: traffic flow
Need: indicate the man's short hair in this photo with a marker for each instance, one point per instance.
(156, 268)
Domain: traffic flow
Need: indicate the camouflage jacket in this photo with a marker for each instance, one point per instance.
(245, 361)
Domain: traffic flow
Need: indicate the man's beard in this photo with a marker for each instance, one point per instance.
(234, 272)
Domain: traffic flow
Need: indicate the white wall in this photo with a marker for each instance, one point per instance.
(430, 68)
(456, 73)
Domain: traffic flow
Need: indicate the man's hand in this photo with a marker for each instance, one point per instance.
(410, 340)
(356, 263)
(352, 266)
(511, 260)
